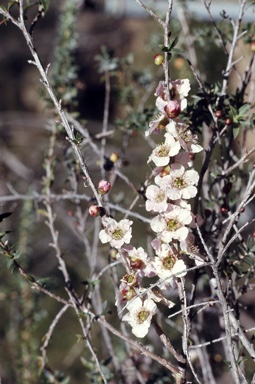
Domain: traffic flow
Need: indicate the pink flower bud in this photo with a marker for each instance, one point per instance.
(103, 187)
(94, 210)
(172, 109)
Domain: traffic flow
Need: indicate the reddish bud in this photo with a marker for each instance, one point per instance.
(179, 63)
(242, 210)
(104, 187)
(158, 59)
(172, 109)
(224, 209)
(228, 121)
(219, 113)
(218, 358)
(252, 46)
(192, 156)
(94, 210)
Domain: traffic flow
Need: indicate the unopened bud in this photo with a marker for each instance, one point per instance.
(104, 187)
(218, 113)
(252, 46)
(94, 210)
(158, 59)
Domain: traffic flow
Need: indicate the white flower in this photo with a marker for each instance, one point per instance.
(140, 315)
(170, 109)
(169, 106)
(187, 140)
(158, 123)
(160, 155)
(138, 260)
(167, 265)
(117, 233)
(156, 199)
(178, 89)
(124, 293)
(180, 183)
(171, 224)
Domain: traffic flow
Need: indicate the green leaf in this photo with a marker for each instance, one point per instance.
(4, 8)
(11, 4)
(244, 109)
(174, 42)
(177, 50)
(236, 132)
(45, 4)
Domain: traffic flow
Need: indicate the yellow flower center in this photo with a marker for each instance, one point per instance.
(143, 315)
(169, 262)
(173, 225)
(179, 183)
(160, 197)
(117, 234)
(162, 150)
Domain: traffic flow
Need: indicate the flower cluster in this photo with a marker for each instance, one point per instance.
(174, 183)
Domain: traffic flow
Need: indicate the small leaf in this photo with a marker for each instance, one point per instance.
(8, 255)
(177, 50)
(11, 4)
(236, 132)
(42, 212)
(244, 109)
(4, 8)
(45, 4)
(174, 42)
(29, 278)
